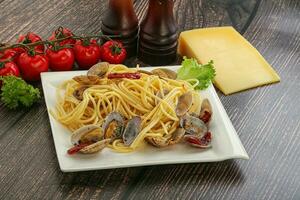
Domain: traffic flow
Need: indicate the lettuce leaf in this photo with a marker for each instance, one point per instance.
(191, 69)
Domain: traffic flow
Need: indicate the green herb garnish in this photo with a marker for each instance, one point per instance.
(17, 93)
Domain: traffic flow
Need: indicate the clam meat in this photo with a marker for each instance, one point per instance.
(113, 125)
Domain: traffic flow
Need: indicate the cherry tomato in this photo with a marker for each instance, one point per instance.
(31, 38)
(8, 53)
(13, 54)
(113, 52)
(88, 54)
(8, 69)
(65, 32)
(61, 60)
(32, 65)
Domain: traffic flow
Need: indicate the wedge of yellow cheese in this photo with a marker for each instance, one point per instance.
(239, 66)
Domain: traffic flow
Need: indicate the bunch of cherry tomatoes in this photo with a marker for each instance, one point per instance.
(32, 55)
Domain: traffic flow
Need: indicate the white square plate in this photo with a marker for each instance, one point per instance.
(225, 143)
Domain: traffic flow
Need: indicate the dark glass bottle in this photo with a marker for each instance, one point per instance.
(120, 18)
(158, 34)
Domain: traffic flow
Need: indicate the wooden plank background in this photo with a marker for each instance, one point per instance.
(267, 119)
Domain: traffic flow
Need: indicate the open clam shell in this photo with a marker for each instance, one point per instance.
(80, 133)
(144, 72)
(91, 135)
(160, 95)
(95, 147)
(164, 73)
(206, 111)
(113, 125)
(87, 80)
(132, 130)
(193, 125)
(157, 141)
(185, 102)
(176, 137)
(78, 93)
(99, 69)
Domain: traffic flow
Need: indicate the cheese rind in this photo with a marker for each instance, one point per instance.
(239, 66)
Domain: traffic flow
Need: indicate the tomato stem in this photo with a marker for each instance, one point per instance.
(31, 52)
(47, 42)
(27, 40)
(86, 42)
(25, 46)
(8, 59)
(115, 49)
(59, 33)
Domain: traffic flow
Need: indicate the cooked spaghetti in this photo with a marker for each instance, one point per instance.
(150, 97)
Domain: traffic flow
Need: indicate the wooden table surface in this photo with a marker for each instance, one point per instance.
(267, 119)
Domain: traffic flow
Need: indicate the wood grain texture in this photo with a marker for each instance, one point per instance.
(267, 119)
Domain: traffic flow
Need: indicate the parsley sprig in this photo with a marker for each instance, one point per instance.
(16, 93)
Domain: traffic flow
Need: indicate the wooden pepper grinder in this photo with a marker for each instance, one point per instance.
(120, 18)
(158, 34)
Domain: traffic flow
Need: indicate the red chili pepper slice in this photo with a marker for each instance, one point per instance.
(124, 75)
(204, 141)
(77, 148)
(193, 140)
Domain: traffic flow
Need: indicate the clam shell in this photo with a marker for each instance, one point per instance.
(193, 125)
(132, 129)
(99, 69)
(185, 102)
(95, 147)
(144, 72)
(164, 73)
(157, 141)
(78, 93)
(206, 111)
(87, 80)
(160, 95)
(113, 116)
(79, 133)
(177, 136)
